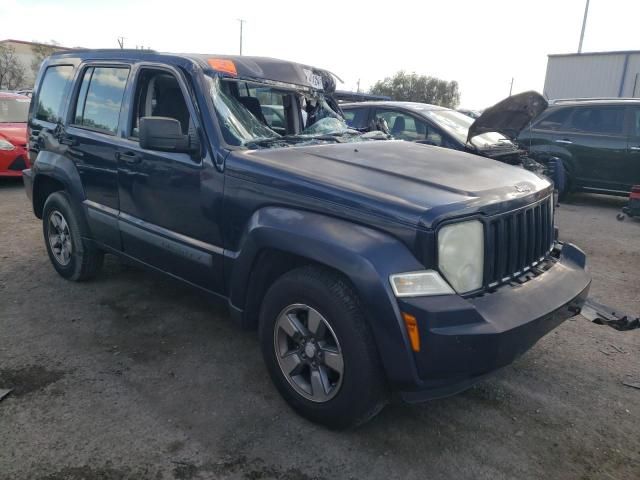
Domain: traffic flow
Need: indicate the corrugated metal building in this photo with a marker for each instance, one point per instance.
(601, 74)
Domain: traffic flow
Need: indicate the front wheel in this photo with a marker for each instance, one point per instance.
(319, 350)
(71, 256)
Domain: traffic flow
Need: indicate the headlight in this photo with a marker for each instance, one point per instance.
(461, 255)
(419, 284)
(5, 145)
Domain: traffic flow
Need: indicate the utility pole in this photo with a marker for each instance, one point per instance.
(511, 87)
(121, 42)
(358, 89)
(241, 24)
(584, 24)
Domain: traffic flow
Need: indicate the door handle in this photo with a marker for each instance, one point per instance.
(129, 157)
(634, 149)
(564, 141)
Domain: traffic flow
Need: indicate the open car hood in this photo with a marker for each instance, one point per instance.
(510, 115)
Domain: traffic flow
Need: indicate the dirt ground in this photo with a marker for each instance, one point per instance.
(133, 376)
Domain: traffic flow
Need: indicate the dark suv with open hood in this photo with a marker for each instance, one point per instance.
(367, 265)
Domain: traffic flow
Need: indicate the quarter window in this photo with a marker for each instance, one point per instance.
(53, 91)
(100, 98)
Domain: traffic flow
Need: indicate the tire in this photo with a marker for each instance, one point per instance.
(357, 393)
(64, 228)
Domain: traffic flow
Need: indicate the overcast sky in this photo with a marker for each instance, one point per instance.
(480, 43)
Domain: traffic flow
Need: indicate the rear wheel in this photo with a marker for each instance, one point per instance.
(319, 350)
(72, 256)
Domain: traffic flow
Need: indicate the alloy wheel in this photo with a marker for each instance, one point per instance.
(308, 353)
(60, 238)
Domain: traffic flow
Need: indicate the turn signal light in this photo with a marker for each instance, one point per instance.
(412, 329)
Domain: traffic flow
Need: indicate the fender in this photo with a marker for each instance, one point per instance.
(60, 168)
(365, 256)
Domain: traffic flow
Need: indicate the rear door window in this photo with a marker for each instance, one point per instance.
(53, 91)
(606, 120)
(100, 98)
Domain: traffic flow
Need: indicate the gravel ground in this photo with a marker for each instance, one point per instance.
(136, 376)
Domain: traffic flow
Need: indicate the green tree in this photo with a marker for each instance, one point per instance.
(40, 52)
(11, 70)
(411, 87)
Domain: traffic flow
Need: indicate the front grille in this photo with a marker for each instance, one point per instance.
(517, 240)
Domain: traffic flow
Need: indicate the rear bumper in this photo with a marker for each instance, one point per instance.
(463, 340)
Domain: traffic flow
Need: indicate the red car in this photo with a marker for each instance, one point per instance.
(13, 134)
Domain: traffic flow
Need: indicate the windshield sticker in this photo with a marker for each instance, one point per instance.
(313, 79)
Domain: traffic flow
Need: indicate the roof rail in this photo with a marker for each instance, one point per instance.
(106, 50)
(590, 99)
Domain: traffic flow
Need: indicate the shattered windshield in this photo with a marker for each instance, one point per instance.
(261, 115)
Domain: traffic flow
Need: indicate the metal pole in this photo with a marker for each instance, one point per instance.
(241, 23)
(584, 24)
(511, 87)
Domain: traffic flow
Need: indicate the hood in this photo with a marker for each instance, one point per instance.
(404, 181)
(509, 116)
(16, 133)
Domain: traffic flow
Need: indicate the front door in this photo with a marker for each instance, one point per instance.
(169, 202)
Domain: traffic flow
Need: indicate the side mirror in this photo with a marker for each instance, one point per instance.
(165, 134)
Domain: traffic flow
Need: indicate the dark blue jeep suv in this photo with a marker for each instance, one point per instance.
(367, 265)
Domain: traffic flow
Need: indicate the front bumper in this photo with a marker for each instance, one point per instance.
(463, 340)
(12, 162)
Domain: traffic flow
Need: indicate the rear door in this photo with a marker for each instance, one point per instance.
(92, 140)
(596, 138)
